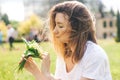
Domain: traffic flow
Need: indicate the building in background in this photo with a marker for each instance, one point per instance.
(106, 27)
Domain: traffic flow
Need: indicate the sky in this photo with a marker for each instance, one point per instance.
(15, 8)
(115, 4)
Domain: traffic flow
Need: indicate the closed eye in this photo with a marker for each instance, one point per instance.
(60, 26)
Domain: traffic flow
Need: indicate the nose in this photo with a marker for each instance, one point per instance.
(55, 31)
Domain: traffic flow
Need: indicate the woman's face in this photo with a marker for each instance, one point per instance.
(62, 29)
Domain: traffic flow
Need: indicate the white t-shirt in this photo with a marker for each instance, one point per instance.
(11, 32)
(94, 65)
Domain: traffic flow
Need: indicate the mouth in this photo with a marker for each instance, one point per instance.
(57, 36)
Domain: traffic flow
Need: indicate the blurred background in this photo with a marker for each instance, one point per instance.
(29, 19)
(24, 15)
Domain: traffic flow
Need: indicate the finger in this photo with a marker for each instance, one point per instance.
(47, 57)
(30, 58)
(44, 55)
(46, 60)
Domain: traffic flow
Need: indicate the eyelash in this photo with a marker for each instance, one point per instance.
(60, 26)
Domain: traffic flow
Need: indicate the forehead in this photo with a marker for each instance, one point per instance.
(62, 18)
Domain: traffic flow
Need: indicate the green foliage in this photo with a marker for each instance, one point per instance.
(83, 1)
(101, 9)
(9, 61)
(113, 52)
(117, 39)
(112, 12)
(34, 22)
(15, 24)
(31, 51)
(118, 27)
(5, 19)
(3, 28)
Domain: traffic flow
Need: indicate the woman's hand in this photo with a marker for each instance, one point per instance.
(31, 66)
(44, 73)
(45, 65)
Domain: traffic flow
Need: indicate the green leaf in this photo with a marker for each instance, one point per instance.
(33, 50)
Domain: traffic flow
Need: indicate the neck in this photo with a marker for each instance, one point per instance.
(68, 51)
(68, 46)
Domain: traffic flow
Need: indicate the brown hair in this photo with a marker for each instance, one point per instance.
(82, 25)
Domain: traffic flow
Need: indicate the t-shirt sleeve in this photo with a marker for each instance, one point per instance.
(94, 67)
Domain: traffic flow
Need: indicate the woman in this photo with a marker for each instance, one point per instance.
(79, 55)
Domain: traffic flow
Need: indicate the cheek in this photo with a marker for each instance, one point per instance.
(62, 31)
(66, 34)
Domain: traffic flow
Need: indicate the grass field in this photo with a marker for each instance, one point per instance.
(9, 60)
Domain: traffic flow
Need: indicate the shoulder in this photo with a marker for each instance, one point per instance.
(95, 64)
(93, 49)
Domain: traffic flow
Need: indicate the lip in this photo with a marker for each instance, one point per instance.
(57, 36)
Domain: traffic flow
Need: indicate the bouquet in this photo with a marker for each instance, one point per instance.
(33, 50)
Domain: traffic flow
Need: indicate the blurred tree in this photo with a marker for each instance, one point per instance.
(32, 22)
(112, 12)
(5, 19)
(24, 27)
(15, 24)
(3, 28)
(101, 9)
(118, 27)
(92, 5)
(83, 1)
(96, 6)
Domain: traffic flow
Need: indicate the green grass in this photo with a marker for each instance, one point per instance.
(113, 50)
(9, 60)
